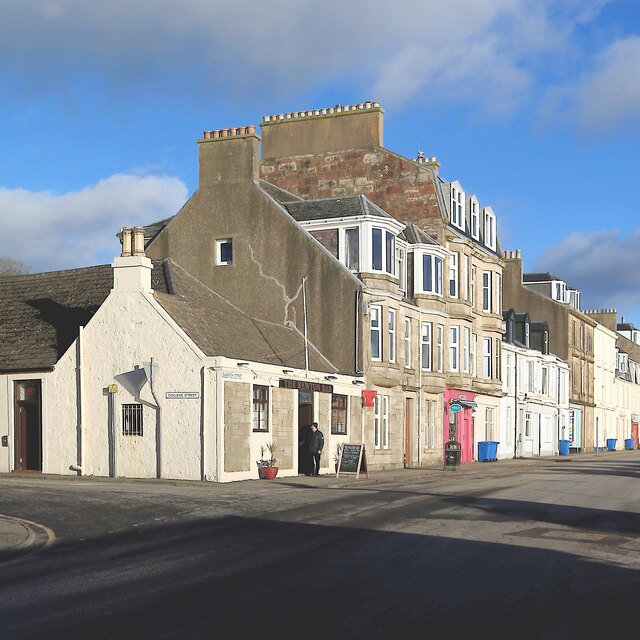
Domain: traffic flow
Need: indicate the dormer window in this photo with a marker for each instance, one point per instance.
(457, 207)
(489, 229)
(559, 291)
(474, 218)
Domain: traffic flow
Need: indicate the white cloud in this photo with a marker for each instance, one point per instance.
(607, 98)
(58, 231)
(610, 97)
(603, 265)
(461, 51)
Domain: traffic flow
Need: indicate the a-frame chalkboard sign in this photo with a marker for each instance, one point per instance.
(353, 459)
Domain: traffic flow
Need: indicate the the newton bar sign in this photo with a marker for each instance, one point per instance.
(455, 407)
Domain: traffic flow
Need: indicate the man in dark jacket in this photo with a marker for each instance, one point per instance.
(316, 444)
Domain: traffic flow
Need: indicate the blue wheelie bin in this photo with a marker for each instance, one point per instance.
(628, 444)
(611, 444)
(484, 451)
(564, 447)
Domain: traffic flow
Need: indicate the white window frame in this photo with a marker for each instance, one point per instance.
(375, 317)
(430, 429)
(436, 274)
(472, 285)
(453, 275)
(220, 243)
(497, 296)
(487, 358)
(489, 229)
(440, 348)
(381, 422)
(487, 296)
(474, 345)
(348, 257)
(454, 348)
(474, 219)
(466, 345)
(489, 424)
(426, 333)
(401, 267)
(407, 343)
(457, 207)
(391, 334)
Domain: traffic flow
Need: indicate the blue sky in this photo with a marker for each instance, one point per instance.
(532, 106)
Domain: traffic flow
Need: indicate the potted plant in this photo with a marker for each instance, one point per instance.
(267, 469)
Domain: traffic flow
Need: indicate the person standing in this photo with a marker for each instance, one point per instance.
(316, 444)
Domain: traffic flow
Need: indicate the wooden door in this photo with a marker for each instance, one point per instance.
(305, 418)
(28, 426)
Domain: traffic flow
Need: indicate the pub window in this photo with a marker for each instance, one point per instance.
(132, 424)
(260, 407)
(338, 414)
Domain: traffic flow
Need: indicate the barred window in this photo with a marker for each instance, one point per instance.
(132, 420)
(338, 414)
(260, 407)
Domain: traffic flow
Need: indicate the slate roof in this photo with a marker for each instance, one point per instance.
(415, 235)
(540, 277)
(40, 314)
(340, 207)
(221, 329)
(278, 194)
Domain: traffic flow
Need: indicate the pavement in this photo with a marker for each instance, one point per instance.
(19, 536)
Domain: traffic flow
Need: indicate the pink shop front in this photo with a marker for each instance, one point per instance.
(458, 423)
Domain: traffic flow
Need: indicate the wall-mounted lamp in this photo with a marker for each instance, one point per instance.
(330, 377)
(357, 381)
(287, 371)
(243, 364)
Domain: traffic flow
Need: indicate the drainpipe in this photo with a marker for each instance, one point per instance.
(357, 331)
(158, 419)
(80, 391)
(515, 410)
(306, 338)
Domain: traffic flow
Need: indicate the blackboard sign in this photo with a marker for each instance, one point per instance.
(352, 460)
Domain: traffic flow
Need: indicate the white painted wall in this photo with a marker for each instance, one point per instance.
(127, 331)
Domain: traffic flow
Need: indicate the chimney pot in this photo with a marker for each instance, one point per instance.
(224, 133)
(126, 242)
(138, 241)
(207, 135)
(251, 130)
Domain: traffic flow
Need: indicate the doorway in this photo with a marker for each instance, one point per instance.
(408, 433)
(305, 418)
(28, 425)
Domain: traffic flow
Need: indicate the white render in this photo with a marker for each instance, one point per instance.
(183, 414)
(533, 419)
(604, 389)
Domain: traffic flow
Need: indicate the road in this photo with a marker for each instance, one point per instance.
(548, 550)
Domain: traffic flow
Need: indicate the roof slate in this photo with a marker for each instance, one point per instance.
(40, 314)
(326, 208)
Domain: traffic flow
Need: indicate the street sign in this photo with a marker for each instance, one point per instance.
(455, 407)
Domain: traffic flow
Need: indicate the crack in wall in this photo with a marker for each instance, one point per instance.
(287, 300)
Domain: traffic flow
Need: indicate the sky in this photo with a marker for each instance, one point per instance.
(534, 107)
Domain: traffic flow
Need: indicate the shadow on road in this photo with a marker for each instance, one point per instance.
(240, 577)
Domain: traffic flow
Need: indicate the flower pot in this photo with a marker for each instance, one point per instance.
(268, 473)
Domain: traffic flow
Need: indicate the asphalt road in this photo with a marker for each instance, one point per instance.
(550, 550)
